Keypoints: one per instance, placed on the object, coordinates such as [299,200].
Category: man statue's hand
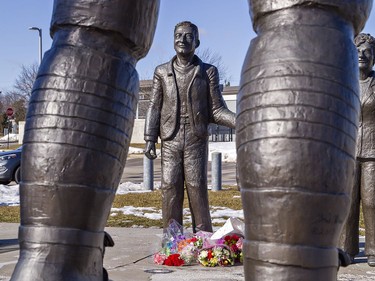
[150,150]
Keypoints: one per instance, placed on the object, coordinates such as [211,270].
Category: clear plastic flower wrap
[179,248]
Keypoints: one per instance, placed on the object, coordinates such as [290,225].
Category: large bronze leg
[77,134]
[296,131]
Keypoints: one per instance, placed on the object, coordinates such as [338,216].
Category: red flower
[174,260]
[235,237]
[234,248]
[209,254]
[231,240]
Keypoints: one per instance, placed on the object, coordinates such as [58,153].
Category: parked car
[10,162]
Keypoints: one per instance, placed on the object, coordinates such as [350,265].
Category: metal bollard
[216,171]
[148,174]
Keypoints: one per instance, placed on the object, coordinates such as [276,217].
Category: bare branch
[206,55]
[24,83]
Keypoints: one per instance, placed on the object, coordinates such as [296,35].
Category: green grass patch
[144,199]
[228,197]
[10,214]
[118,219]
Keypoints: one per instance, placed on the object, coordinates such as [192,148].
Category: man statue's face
[184,40]
[365,57]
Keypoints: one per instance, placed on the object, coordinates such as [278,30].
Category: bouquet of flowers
[217,255]
[178,249]
[189,248]
[186,249]
[234,242]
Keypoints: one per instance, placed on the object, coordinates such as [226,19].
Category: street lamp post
[40,41]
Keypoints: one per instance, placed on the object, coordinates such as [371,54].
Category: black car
[10,162]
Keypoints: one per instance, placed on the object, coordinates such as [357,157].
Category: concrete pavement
[130,259]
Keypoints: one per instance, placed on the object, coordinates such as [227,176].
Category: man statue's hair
[192,25]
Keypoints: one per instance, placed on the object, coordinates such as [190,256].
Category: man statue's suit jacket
[205,102]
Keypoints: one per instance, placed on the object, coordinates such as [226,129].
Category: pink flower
[159,258]
[239,243]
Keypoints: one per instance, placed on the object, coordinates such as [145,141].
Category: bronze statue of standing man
[364,184]
[185,99]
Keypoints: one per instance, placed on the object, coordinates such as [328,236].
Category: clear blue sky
[225,28]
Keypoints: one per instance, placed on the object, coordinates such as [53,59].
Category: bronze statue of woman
[364,182]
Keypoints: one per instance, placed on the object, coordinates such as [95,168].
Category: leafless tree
[215,59]
[18,97]
[25,81]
